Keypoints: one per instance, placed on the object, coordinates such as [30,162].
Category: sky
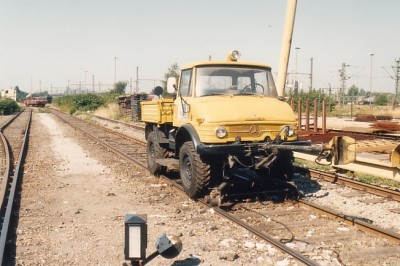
[48,44]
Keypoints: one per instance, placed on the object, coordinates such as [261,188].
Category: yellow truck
[226,125]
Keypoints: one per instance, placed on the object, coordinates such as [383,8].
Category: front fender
[186,133]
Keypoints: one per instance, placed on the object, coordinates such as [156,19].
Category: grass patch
[363,110]
[112,111]
[374,180]
[312,165]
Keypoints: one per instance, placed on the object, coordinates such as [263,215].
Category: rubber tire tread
[201,171]
[159,153]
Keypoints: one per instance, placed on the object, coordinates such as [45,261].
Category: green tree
[21,95]
[353,91]
[79,102]
[40,94]
[119,87]
[8,106]
[382,100]
[311,96]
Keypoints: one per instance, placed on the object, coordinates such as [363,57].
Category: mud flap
[344,149]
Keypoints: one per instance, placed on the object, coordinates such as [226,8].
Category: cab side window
[185,88]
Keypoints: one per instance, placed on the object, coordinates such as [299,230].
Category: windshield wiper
[251,93]
[216,93]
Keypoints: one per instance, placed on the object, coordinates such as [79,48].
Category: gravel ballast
[75,195]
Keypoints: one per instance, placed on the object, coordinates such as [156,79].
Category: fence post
[315,115]
[323,116]
[307,114]
[299,114]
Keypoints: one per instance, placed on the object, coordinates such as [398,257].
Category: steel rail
[223,213]
[137,127]
[263,236]
[334,178]
[250,228]
[370,164]
[10,121]
[332,214]
[353,221]
[337,179]
[6,174]
[105,144]
[11,196]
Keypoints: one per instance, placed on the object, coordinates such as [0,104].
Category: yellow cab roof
[225,63]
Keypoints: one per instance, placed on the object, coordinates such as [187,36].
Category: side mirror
[171,85]
[158,91]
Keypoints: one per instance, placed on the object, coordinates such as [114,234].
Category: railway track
[343,180]
[302,229]
[136,127]
[14,136]
[339,179]
[129,148]
[366,141]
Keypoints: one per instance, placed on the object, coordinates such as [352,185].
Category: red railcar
[36,101]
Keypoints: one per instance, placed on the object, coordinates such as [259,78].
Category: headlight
[221,132]
[289,131]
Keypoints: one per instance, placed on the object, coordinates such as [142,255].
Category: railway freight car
[36,101]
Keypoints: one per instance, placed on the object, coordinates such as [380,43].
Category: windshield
[224,80]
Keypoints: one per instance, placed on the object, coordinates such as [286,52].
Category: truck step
[170,163]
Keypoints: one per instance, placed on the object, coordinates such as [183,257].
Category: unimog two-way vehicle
[224,125]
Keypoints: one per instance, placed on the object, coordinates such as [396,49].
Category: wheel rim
[186,171]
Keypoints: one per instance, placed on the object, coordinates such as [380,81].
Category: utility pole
[130,85]
[311,73]
[295,73]
[397,80]
[115,70]
[343,78]
[370,80]
[84,86]
[137,79]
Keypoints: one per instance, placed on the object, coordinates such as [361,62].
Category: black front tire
[154,152]
[195,172]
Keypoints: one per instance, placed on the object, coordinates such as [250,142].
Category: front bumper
[254,148]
